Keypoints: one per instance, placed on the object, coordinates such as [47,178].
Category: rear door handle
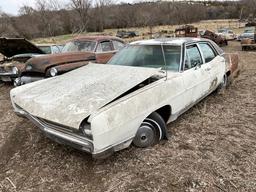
[208,69]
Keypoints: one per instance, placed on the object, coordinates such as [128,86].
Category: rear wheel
[223,84]
[150,131]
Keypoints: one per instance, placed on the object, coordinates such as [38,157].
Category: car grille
[55,126]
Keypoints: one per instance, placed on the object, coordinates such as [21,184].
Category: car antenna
[162,47]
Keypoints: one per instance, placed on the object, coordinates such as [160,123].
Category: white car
[103,108]
[227,34]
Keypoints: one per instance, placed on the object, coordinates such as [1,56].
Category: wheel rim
[145,135]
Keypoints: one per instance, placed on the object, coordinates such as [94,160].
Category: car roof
[46,45]
[170,41]
[98,38]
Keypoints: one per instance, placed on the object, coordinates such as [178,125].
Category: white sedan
[101,108]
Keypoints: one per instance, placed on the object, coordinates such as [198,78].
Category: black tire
[150,132]
[223,85]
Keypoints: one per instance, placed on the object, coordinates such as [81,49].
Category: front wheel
[150,132]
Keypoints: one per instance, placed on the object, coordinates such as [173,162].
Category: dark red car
[76,53]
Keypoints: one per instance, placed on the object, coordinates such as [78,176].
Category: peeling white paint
[71,97]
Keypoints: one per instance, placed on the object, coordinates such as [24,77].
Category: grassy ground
[209,24]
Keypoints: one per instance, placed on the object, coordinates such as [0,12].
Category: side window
[55,49]
[117,45]
[207,51]
[193,57]
[104,46]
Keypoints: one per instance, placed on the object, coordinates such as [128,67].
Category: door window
[207,51]
[193,57]
[117,45]
[104,46]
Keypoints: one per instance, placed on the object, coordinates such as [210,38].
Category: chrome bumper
[60,134]
[7,76]
[25,80]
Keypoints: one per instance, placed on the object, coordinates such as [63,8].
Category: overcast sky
[12,6]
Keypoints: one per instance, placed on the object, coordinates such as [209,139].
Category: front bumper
[60,134]
[63,135]
[8,76]
[25,80]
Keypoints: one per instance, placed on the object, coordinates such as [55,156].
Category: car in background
[127,34]
[101,109]
[227,34]
[186,31]
[218,39]
[15,51]
[76,53]
[249,33]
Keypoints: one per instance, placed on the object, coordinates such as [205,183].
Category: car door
[213,65]
[195,76]
[104,51]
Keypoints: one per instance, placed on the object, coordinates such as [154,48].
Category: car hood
[70,98]
[14,46]
[39,64]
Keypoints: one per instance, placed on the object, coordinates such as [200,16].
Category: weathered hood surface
[14,46]
[39,64]
[69,98]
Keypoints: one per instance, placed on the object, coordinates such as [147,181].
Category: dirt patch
[212,148]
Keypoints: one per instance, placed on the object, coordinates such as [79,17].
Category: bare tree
[4,18]
[82,8]
[250,6]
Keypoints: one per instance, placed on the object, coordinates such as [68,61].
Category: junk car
[186,31]
[101,109]
[228,34]
[76,53]
[16,52]
[218,39]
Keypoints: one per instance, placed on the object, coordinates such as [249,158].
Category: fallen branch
[11,182]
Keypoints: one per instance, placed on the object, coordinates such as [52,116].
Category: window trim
[209,44]
[185,49]
[102,41]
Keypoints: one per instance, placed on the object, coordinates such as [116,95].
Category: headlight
[15,70]
[53,72]
[29,67]
[86,129]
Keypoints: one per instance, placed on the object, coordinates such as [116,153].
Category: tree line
[52,17]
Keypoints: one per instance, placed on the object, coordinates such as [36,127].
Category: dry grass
[209,24]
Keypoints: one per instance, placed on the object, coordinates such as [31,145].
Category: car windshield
[222,31]
[79,46]
[46,49]
[148,56]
